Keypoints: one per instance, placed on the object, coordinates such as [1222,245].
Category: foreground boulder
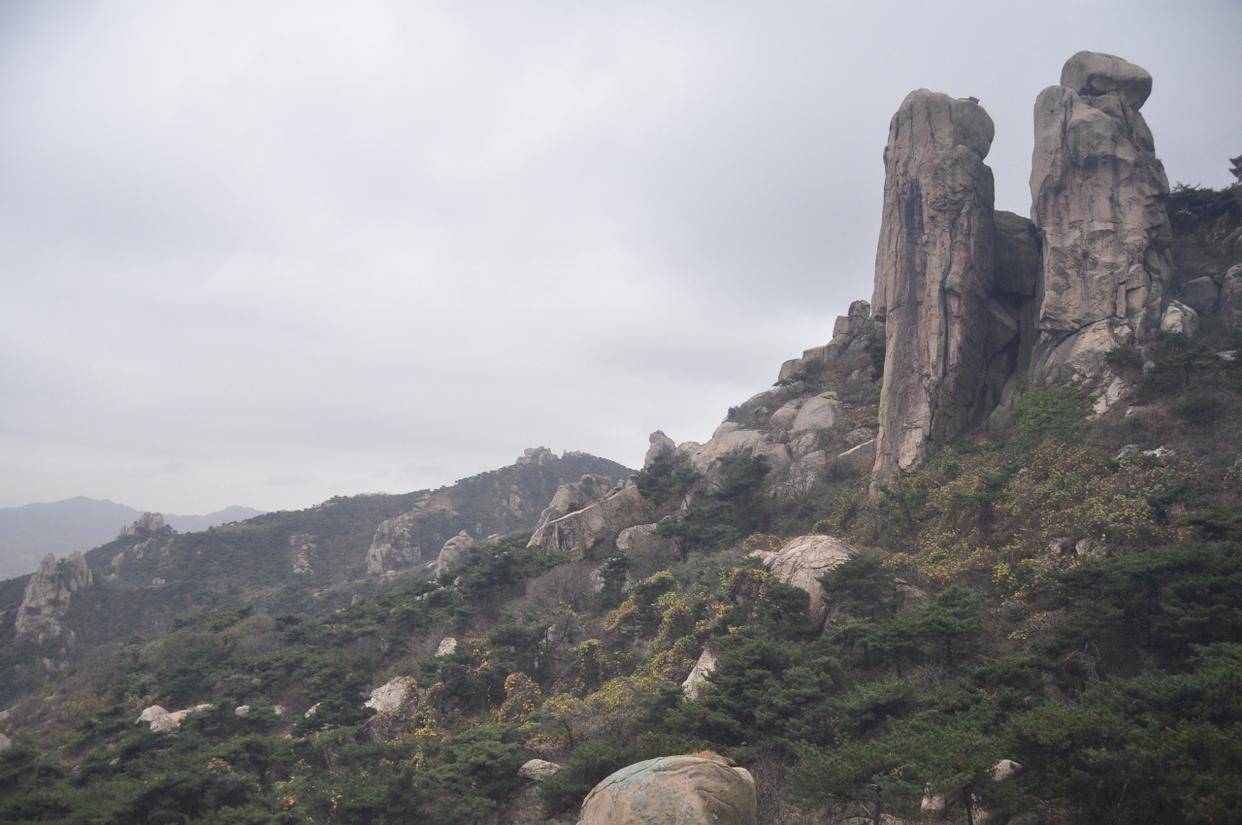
[1098,198]
[933,274]
[800,562]
[673,790]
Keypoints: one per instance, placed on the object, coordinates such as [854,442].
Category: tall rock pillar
[1098,199]
[933,274]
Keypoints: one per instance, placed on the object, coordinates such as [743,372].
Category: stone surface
[1095,74]
[1005,769]
[801,561]
[537,769]
[645,540]
[5,743]
[447,646]
[160,720]
[934,805]
[818,413]
[659,444]
[393,545]
[574,495]
[577,532]
[145,525]
[673,790]
[932,275]
[1179,319]
[390,695]
[1230,303]
[1098,195]
[697,680]
[453,553]
[45,601]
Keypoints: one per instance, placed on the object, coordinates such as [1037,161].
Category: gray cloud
[264,253]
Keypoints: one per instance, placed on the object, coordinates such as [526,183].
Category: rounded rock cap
[1095,73]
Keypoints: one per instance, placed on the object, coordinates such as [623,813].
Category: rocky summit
[972,559]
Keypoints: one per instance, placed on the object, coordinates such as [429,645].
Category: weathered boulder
[801,561]
[579,531]
[1230,306]
[390,695]
[45,602]
[393,545]
[447,646]
[537,769]
[1006,769]
[160,720]
[660,444]
[453,553]
[1098,194]
[673,790]
[933,805]
[1179,319]
[574,495]
[5,743]
[697,680]
[818,413]
[933,275]
[241,710]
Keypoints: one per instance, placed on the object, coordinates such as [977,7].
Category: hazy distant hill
[29,532]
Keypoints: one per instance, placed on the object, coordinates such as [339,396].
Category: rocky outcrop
[537,769]
[933,277]
[1179,319]
[801,561]
[148,524]
[453,553]
[856,332]
[697,680]
[393,546]
[577,532]
[160,720]
[1098,195]
[447,646]
[673,790]
[658,444]
[45,602]
[5,743]
[574,495]
[301,548]
[391,695]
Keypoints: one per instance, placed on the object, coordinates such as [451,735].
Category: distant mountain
[30,532]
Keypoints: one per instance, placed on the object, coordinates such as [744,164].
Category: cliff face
[933,275]
[1099,200]
[45,602]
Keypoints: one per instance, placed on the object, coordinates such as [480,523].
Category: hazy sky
[264,253]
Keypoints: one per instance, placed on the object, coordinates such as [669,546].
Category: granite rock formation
[1099,200]
[673,790]
[41,616]
[933,277]
[801,561]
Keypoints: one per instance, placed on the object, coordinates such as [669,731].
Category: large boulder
[574,495]
[537,769]
[453,553]
[673,790]
[577,532]
[933,276]
[801,561]
[391,695]
[41,615]
[1179,319]
[1098,193]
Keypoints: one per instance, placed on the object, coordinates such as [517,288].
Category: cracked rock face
[933,275]
[45,602]
[394,545]
[1098,199]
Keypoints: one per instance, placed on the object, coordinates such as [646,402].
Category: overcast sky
[265,253]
